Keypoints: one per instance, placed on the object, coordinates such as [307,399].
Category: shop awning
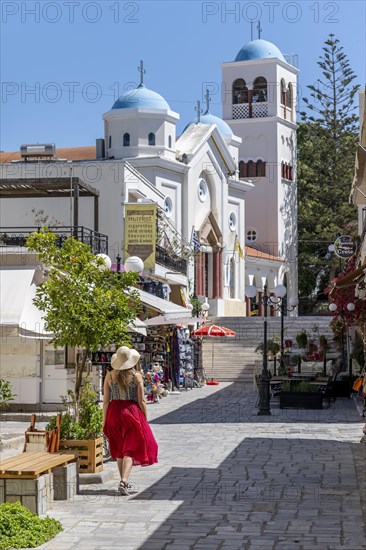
[349,280]
[171,320]
[17,310]
[138,326]
[169,309]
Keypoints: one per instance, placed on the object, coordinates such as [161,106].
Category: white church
[226,187]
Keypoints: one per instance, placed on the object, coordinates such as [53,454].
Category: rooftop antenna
[259,29]
[142,72]
[208,99]
[199,110]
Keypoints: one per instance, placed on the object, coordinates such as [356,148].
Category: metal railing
[170,261]
[17,236]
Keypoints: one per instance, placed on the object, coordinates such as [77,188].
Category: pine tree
[327,140]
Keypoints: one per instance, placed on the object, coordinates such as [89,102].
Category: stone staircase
[234,359]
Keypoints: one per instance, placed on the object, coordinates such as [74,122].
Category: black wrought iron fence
[17,236]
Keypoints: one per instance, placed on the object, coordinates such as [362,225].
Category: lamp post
[264,379]
[293,303]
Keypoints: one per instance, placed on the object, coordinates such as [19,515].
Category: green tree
[327,140]
[86,305]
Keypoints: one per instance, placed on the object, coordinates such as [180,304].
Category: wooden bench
[37,478]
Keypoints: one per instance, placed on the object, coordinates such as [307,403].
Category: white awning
[17,310]
[138,326]
[169,309]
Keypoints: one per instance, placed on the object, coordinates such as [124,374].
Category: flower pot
[301,400]
[90,453]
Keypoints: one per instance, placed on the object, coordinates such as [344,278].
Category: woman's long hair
[123,377]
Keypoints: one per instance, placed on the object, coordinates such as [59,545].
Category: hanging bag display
[357,384]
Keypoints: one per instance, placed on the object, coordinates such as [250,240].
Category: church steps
[235,358]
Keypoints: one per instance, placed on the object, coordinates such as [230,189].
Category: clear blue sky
[76,55]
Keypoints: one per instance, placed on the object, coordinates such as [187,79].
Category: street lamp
[264,379]
[134,264]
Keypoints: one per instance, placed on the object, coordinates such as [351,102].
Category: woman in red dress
[131,440]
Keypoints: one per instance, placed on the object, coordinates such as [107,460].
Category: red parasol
[214,331]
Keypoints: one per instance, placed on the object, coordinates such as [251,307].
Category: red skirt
[129,433]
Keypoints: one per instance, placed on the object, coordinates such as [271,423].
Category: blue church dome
[141,98]
[259,49]
[209,118]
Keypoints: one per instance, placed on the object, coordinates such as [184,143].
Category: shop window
[126,140]
[151,138]
[260,90]
[240,91]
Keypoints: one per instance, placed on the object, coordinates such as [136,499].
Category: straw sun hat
[124,358]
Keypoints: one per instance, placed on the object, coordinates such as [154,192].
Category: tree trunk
[80,367]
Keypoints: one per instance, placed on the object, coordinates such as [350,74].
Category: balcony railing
[170,261]
[17,236]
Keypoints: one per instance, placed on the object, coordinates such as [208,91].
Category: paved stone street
[228,479]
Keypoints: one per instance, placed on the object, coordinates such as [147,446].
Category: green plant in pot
[302,339]
[89,423]
[323,343]
[273,347]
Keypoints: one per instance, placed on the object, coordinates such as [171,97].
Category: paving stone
[228,479]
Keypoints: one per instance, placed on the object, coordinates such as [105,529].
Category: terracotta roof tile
[254,253]
[68,153]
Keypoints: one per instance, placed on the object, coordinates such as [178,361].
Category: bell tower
[259,105]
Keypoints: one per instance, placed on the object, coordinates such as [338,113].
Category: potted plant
[288,343]
[82,434]
[323,343]
[302,339]
[300,395]
[273,347]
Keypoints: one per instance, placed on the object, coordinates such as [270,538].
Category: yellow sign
[140,232]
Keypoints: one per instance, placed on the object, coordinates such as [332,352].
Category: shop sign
[344,247]
[140,233]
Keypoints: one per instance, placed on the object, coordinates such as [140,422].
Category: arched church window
[151,138]
[240,91]
[261,168]
[126,140]
[251,169]
[283,92]
[289,97]
[260,90]
[110,142]
[170,142]
[242,169]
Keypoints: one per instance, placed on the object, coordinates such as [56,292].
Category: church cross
[208,99]
[199,110]
[142,72]
[259,29]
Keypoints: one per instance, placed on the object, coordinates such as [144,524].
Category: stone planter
[90,453]
[301,400]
